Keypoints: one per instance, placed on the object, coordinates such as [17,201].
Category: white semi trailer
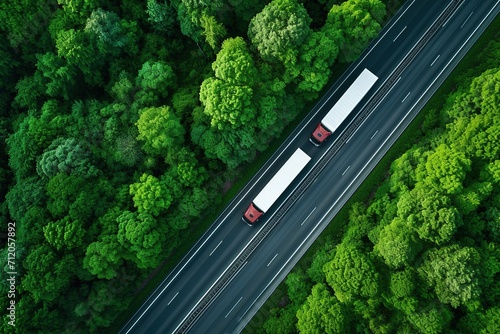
[344,106]
[276,186]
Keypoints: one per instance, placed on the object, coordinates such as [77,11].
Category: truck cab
[319,135]
[252,214]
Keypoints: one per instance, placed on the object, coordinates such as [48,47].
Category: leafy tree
[29,141]
[279,30]
[106,28]
[398,244]
[63,190]
[24,33]
[161,16]
[66,155]
[160,129]
[433,318]
[234,63]
[25,194]
[402,288]
[48,275]
[298,287]
[227,105]
[151,195]
[105,256]
[157,77]
[317,54]
[190,175]
[190,14]
[429,213]
[484,321]
[30,91]
[141,234]
[352,274]
[359,21]
[64,234]
[446,169]
[322,313]
[59,77]
[75,46]
[451,271]
[102,306]
[213,31]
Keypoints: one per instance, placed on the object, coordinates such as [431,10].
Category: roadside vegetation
[123,123]
[416,250]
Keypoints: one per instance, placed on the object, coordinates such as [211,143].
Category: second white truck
[344,106]
[276,186]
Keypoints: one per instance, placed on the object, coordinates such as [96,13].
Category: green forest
[123,122]
[422,254]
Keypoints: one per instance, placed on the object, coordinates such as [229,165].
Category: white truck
[344,106]
[276,186]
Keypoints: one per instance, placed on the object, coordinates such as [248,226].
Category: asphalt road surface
[180,292]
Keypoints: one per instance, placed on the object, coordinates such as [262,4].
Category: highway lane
[215,251]
[244,296]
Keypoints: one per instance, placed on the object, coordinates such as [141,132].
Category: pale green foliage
[160,129]
[66,155]
[64,233]
[352,274]
[397,244]
[191,175]
[429,213]
[106,28]
[321,313]
[453,273]
[151,195]
[446,169]
[227,105]
[279,30]
[234,63]
[359,22]
[213,31]
[156,76]
[141,234]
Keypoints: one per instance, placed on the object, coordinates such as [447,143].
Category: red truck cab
[252,214]
[319,135]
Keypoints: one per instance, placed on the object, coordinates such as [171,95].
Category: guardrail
[219,286]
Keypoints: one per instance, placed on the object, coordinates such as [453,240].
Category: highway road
[179,293]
